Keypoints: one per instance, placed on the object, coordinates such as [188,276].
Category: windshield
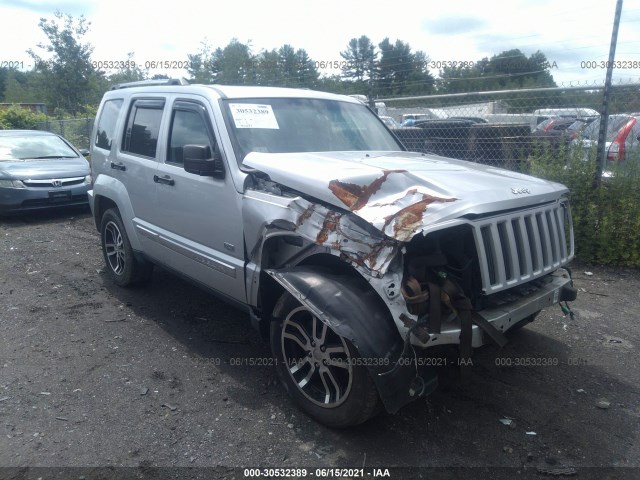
[542,126]
[577,125]
[285,125]
[21,147]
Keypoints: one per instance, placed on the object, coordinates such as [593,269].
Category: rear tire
[123,267]
[321,371]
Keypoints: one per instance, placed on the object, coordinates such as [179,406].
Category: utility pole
[372,102]
[601,156]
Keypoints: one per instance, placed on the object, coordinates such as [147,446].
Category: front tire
[321,371]
[122,266]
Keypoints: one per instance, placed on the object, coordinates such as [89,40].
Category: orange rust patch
[305,215]
[367,260]
[329,225]
[357,196]
[409,219]
[372,256]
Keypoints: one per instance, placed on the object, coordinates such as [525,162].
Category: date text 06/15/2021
[317,472]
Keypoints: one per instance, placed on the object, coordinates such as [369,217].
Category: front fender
[354,310]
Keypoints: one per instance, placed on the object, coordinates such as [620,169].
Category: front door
[198,219]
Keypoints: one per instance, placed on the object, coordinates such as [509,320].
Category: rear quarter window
[107,123]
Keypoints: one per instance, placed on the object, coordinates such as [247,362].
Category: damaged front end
[287,232]
[426,266]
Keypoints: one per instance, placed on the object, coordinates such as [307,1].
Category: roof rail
[150,83]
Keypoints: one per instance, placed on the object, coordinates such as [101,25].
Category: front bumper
[15,200]
[506,316]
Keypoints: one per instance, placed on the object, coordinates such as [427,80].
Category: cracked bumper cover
[558,288]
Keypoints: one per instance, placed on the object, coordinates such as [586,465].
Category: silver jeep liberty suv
[352,255]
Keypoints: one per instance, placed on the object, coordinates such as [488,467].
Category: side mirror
[84,152]
[199,160]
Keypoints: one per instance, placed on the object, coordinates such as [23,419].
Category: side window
[143,127]
[188,127]
[107,123]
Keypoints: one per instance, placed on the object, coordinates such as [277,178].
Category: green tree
[336,84]
[268,68]
[513,69]
[19,118]
[4,73]
[69,79]
[360,59]
[199,64]
[510,69]
[288,65]
[296,67]
[236,64]
[420,80]
[233,65]
[19,87]
[401,71]
[307,71]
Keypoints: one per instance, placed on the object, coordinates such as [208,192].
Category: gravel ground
[98,377]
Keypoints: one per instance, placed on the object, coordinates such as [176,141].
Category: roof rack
[150,83]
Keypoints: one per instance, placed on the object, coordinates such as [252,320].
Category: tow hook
[568,293]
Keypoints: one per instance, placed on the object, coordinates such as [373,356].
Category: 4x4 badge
[518,191]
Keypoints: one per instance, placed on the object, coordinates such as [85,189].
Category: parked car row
[557,131]
[474,139]
[622,137]
[468,138]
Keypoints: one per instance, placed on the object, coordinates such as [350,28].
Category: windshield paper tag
[251,115]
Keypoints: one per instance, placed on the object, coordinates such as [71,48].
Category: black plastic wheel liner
[354,311]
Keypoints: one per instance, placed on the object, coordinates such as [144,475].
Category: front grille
[518,247]
[54,182]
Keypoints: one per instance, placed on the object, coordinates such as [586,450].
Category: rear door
[137,158]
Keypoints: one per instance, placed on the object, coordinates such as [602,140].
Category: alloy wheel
[114,247]
[317,359]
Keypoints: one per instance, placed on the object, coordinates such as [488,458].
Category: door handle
[165,179]
[118,166]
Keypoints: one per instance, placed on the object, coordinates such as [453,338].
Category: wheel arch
[102,204]
[352,308]
[111,193]
[270,290]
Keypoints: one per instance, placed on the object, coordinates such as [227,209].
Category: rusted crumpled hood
[403,193]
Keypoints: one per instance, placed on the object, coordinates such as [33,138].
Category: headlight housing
[6,183]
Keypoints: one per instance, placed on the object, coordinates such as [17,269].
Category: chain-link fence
[76,130]
[501,128]
[504,128]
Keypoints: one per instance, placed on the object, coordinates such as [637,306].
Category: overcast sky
[569,33]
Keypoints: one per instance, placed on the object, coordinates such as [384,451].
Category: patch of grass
[606,219]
